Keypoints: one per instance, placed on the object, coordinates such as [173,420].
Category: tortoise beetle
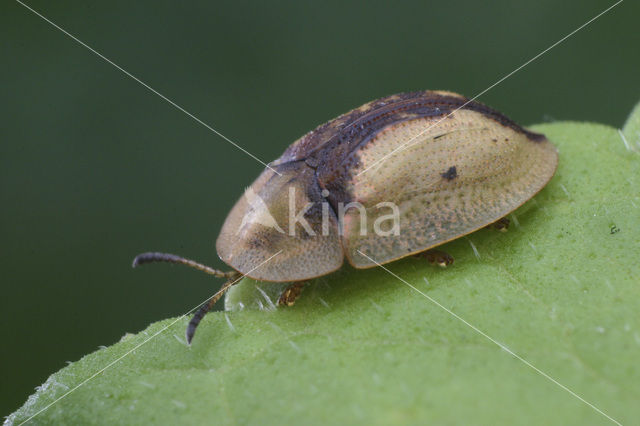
[433,166]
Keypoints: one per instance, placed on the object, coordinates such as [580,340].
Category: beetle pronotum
[448,167]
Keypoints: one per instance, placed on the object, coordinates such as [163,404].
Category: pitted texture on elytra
[497,170]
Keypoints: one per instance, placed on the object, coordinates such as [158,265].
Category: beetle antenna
[206,307]
[151,257]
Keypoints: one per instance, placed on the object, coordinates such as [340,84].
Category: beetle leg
[436,257]
[206,307]
[500,225]
[291,293]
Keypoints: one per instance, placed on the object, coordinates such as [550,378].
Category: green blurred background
[95,168]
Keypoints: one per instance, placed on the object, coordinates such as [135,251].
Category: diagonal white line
[503,347]
[97,373]
[408,143]
[626,143]
[128,74]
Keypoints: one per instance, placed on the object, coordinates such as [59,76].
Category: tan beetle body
[450,166]
[444,165]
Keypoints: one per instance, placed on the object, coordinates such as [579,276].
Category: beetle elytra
[443,165]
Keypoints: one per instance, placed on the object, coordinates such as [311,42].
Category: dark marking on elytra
[435,138]
[332,147]
[450,174]
[355,128]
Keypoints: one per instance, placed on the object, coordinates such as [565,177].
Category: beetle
[444,165]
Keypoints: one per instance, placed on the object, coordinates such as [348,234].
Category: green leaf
[559,289]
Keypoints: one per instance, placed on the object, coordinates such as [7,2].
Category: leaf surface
[560,289]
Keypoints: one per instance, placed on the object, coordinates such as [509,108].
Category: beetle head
[282,215]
